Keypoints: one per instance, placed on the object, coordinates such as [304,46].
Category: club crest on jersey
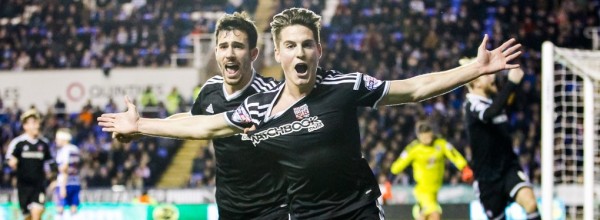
[40,147]
[302,112]
[240,115]
[371,83]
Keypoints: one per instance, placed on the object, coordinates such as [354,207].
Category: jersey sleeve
[47,154]
[369,90]
[62,157]
[500,101]
[16,152]
[11,149]
[406,157]
[487,112]
[240,117]
[209,86]
[453,155]
[196,107]
[476,110]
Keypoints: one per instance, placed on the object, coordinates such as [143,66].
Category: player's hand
[250,129]
[126,138]
[123,123]
[499,58]
[515,75]
[467,175]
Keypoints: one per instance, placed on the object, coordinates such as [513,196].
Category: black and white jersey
[318,142]
[490,139]
[31,154]
[249,181]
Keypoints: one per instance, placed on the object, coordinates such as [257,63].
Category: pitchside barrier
[458,202]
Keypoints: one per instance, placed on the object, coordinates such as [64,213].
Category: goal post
[547,134]
[570,129]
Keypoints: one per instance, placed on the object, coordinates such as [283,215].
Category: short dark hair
[423,127]
[293,16]
[238,21]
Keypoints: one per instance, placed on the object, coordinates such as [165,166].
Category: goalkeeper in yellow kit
[426,154]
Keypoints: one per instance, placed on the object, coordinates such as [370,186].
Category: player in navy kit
[27,155]
[310,120]
[249,182]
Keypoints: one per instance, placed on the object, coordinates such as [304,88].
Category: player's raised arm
[128,138]
[405,159]
[193,127]
[426,86]
[180,115]
[500,100]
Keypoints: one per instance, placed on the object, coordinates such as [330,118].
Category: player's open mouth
[301,67]
[232,68]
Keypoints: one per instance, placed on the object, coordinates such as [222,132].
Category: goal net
[571,131]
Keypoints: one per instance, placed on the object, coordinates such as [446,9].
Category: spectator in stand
[145,198]
[174,101]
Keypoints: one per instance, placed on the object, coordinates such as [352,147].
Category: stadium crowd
[100,34]
[400,39]
[387,39]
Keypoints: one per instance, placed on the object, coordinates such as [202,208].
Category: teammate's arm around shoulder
[193,127]
[426,86]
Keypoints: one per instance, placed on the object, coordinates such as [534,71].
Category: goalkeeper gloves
[467,174]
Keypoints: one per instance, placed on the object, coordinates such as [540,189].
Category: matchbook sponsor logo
[311,124]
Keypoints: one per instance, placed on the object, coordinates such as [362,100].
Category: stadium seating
[400,39]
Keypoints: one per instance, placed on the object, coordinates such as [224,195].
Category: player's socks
[416,211]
